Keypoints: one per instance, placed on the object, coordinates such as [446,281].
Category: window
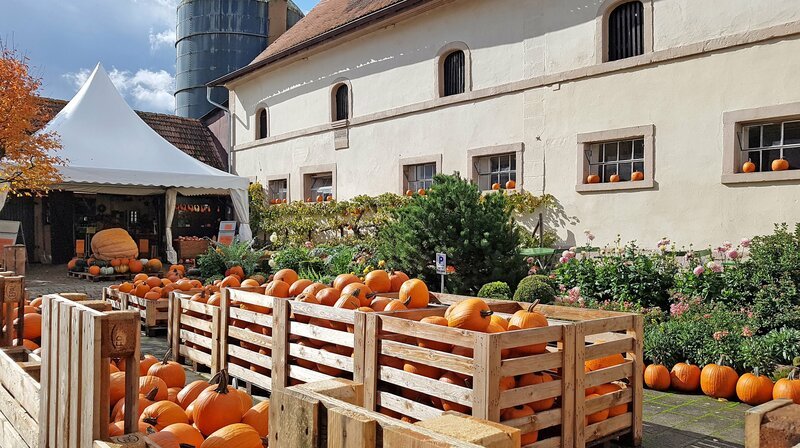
[619,159]
[616,161]
[419,176]
[626,31]
[342,100]
[496,169]
[454,73]
[278,191]
[320,187]
[764,143]
[262,130]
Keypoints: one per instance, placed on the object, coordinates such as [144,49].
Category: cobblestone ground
[670,420]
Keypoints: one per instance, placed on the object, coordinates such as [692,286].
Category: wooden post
[371,354]
[174,326]
[225,321]
[568,389]
[121,339]
[14,258]
[637,379]
[486,381]
[350,429]
[293,420]
[579,398]
[280,348]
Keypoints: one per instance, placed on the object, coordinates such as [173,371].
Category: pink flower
[563,260]
[716,267]
[719,335]
[699,270]
[733,254]
[706,316]
[747,332]
[309,245]
[530,260]
[676,309]
[745,242]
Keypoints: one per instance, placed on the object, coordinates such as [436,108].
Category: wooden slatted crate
[118,300]
[391,341]
[154,314]
[296,343]
[193,331]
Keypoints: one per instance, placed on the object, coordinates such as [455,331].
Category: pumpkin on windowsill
[637,175]
[748,167]
[614,178]
[780,164]
[593,179]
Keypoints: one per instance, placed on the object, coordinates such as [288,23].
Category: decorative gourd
[685,377]
[718,381]
[378,281]
[217,406]
[397,278]
[258,418]
[657,377]
[471,314]
[780,164]
[434,345]
[185,433]
[788,388]
[237,435]
[170,371]
[113,243]
[520,412]
[161,414]
[754,389]
[748,167]
[414,294]
[525,319]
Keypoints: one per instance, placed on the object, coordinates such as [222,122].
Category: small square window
[616,160]
[319,187]
[278,191]
[496,169]
[764,143]
[419,176]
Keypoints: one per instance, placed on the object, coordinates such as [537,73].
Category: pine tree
[477,232]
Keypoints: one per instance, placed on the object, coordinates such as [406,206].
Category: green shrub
[534,287]
[495,290]
[221,257]
[477,232]
[296,258]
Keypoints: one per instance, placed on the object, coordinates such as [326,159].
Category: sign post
[441,267]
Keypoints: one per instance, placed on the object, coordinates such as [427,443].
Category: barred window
[320,185]
[278,191]
[496,169]
[626,31]
[454,73]
[616,161]
[342,103]
[419,176]
[764,143]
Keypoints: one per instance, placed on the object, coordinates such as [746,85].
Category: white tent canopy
[109,149]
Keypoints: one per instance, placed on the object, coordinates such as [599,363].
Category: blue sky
[133,39]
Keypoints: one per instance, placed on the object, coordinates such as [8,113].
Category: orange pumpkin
[33,325]
[277,288]
[328,296]
[94,270]
[396,279]
[754,389]
[788,388]
[126,287]
[379,303]
[434,345]
[470,314]
[298,287]
[170,371]
[230,281]
[118,413]
[237,435]
[496,186]
[511,185]
[378,281]
[593,179]
[287,276]
[217,406]
[161,414]
[360,291]
[116,389]
[348,302]
[499,321]
[685,377]
[605,362]
[414,294]
[149,382]
[116,429]
[530,379]
[250,283]
[610,388]
[185,433]
[314,288]
[780,164]
[343,280]
[145,363]
[598,416]
[614,178]
[748,167]
[421,369]
[395,305]
[522,411]
[258,418]
[657,377]
[526,319]
[153,282]
[718,381]
[637,175]
[452,378]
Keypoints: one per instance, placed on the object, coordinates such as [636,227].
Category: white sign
[441,263]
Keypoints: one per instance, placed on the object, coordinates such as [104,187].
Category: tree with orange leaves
[28,160]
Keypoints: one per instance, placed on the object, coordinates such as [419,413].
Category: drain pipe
[230,126]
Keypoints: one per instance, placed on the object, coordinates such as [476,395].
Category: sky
[133,39]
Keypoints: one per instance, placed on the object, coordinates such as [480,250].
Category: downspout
[230,127]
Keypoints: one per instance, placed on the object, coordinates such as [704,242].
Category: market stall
[121,173]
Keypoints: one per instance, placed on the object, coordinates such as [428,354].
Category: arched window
[262,129]
[454,73]
[626,31]
[342,103]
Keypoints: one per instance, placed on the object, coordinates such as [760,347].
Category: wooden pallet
[98,278]
[118,300]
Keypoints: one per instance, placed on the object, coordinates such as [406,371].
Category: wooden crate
[772,424]
[392,336]
[275,355]
[329,414]
[19,397]
[193,331]
[154,314]
[118,300]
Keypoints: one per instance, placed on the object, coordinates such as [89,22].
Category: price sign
[441,263]
[227,231]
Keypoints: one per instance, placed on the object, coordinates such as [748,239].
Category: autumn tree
[28,160]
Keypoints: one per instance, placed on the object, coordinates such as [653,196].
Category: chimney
[277,19]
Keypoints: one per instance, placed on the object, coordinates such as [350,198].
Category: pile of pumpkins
[31,321]
[96,266]
[154,288]
[718,380]
[201,414]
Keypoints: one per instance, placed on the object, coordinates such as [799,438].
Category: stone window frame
[439,67]
[307,172]
[733,121]
[517,148]
[286,177]
[601,29]
[334,87]
[418,160]
[585,140]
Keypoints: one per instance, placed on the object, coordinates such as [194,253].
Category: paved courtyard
[670,420]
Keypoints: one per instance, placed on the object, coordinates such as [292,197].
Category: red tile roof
[329,19]
[187,134]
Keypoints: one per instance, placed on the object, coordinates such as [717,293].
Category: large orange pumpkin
[287,276]
[754,389]
[185,433]
[258,418]
[299,286]
[378,281]
[657,377]
[149,382]
[718,381]
[32,325]
[360,291]
[113,243]
[170,371]
[161,414]
[217,406]
[230,281]
[277,288]
[788,388]
[470,314]
[348,302]
[520,412]
[314,288]
[685,377]
[328,296]
[414,294]
[343,280]
[237,435]
[526,319]
[397,278]
[530,379]
[434,345]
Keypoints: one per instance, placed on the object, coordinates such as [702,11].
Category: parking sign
[441,263]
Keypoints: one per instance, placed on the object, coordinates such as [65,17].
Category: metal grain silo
[216,37]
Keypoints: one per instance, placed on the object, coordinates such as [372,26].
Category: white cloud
[144,90]
[165,38]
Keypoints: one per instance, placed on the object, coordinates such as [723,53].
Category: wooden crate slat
[518,338]
[552,442]
[252,337]
[601,349]
[306,375]
[454,363]
[609,426]
[530,364]
[19,418]
[436,388]
[196,323]
[20,385]
[322,312]
[609,400]
[265,320]
[195,338]
[196,355]
[453,336]
[255,378]
[536,422]
[250,356]
[607,375]
[407,407]
[528,394]
[321,357]
[321,334]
